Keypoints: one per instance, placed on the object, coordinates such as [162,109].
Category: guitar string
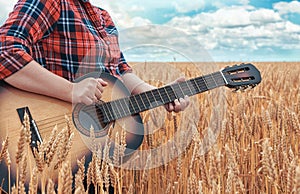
[62,115]
[60,119]
[164,96]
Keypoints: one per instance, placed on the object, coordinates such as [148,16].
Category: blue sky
[233,30]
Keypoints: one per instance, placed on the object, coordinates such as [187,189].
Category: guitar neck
[154,98]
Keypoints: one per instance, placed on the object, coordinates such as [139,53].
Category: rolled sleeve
[13,56]
[28,23]
[123,65]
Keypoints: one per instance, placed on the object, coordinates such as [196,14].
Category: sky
[200,30]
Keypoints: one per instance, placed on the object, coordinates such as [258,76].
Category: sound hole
[86,117]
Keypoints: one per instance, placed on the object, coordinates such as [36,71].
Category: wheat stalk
[297,180]
[50,187]
[290,176]
[33,181]
[14,190]
[80,175]
[65,179]
[117,178]
[4,154]
[51,146]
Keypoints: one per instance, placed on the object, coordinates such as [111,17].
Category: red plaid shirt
[67,37]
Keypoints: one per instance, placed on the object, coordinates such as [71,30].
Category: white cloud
[121,13]
[135,21]
[226,17]
[7,5]
[221,4]
[287,7]
[262,16]
[180,6]
[163,40]
[241,27]
[6,8]
[233,27]
[183,6]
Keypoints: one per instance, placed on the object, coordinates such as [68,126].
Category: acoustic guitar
[117,111]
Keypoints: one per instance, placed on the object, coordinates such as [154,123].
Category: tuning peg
[253,86]
[236,89]
[244,88]
[241,88]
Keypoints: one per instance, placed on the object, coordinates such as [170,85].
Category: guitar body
[48,112]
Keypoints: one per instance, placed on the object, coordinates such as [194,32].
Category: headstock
[241,76]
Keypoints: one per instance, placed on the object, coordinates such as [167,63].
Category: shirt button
[107,42]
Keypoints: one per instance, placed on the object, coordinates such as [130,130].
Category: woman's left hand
[178,104]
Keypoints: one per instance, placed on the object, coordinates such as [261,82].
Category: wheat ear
[4,154]
[50,187]
[65,179]
[80,175]
[33,182]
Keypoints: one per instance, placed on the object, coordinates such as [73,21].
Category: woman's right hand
[88,90]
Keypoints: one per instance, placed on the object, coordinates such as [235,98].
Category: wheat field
[225,142]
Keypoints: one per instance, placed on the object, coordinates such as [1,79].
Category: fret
[167,95]
[201,83]
[135,104]
[140,102]
[115,109]
[171,93]
[197,88]
[145,100]
[211,75]
[178,91]
[149,99]
[182,90]
[131,105]
[160,91]
[152,99]
[210,82]
[187,89]
[220,80]
[122,112]
[126,103]
[108,111]
[164,95]
[157,97]
[191,87]
[205,82]
[174,91]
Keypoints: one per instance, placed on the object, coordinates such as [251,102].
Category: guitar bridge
[35,134]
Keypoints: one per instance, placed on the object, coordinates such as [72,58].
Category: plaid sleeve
[111,28]
[29,22]
[123,66]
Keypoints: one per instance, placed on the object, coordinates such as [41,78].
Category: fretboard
[134,104]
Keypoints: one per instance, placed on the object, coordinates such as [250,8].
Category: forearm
[34,78]
[135,85]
